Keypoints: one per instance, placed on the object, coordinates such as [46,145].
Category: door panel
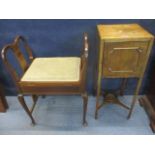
[124,59]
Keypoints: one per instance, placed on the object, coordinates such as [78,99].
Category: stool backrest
[16,50]
[84,60]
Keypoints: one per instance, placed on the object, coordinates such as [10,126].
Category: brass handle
[127,48]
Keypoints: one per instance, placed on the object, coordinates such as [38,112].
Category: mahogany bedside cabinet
[123,53]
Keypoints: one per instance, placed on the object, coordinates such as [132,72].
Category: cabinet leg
[99,78]
[135,97]
[97,105]
[132,106]
[98,96]
[123,86]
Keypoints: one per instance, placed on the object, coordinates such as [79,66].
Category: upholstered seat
[55,69]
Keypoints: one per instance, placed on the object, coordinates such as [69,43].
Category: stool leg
[85,102]
[22,102]
[34,98]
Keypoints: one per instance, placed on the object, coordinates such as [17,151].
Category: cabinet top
[123,31]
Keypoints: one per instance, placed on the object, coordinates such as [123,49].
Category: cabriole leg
[22,102]
[85,102]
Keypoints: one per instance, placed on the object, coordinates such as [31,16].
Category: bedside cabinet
[3,103]
[123,53]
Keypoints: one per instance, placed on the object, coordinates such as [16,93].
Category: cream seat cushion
[57,69]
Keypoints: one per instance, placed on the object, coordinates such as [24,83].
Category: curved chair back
[15,49]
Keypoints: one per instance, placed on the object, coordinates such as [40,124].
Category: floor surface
[63,115]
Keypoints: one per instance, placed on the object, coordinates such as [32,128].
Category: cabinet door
[124,59]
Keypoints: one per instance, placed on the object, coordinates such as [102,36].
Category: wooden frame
[44,88]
